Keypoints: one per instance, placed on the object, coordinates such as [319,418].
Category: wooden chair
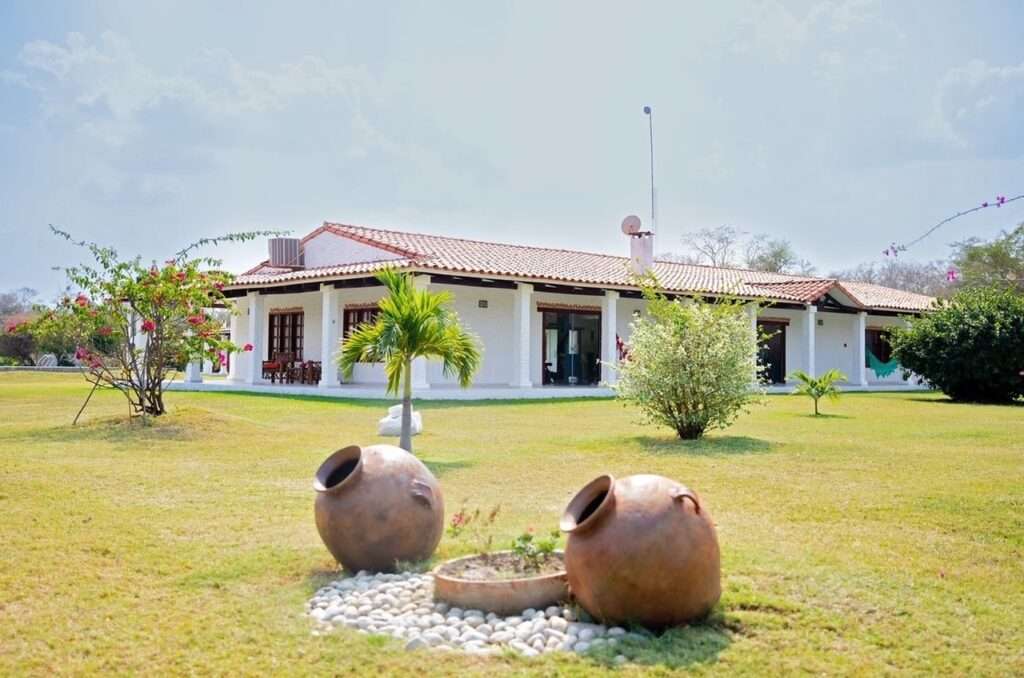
[282,366]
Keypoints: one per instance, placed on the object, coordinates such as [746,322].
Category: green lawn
[886,537]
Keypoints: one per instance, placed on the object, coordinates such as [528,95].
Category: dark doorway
[571,348]
[772,351]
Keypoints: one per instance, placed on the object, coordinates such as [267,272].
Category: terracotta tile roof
[422,252]
[869,295]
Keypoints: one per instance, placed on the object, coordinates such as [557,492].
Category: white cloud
[978,107]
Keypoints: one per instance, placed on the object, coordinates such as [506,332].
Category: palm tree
[412,323]
[820,387]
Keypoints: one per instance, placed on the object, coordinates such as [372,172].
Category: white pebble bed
[403,606]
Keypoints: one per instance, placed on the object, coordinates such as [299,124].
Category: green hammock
[881,369]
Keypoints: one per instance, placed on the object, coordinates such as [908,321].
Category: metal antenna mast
[650,128]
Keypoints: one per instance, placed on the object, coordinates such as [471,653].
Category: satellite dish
[631,225]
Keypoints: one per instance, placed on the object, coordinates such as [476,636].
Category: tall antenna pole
[650,128]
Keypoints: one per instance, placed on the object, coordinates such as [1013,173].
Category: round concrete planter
[501,596]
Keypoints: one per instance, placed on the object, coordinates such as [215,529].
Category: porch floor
[447,392]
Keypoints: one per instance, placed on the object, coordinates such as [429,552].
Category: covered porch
[539,340]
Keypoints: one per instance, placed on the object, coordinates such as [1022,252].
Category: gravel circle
[402,606]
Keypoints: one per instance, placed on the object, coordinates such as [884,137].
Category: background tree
[722,246]
[999,262]
[774,255]
[132,324]
[16,301]
[971,347]
[713,246]
[929,277]
[691,365]
[412,323]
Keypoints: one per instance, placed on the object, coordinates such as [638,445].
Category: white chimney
[641,245]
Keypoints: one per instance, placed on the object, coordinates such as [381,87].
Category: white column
[329,335]
[235,359]
[860,375]
[419,365]
[194,372]
[752,317]
[810,325]
[521,314]
[609,332]
[256,324]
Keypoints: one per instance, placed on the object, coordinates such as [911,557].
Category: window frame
[286,333]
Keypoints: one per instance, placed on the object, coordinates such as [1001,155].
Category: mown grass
[887,538]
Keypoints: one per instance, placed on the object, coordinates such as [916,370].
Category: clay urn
[376,506]
[641,549]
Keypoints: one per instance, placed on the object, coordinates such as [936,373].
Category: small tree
[691,365]
[132,324]
[971,347]
[818,387]
[412,323]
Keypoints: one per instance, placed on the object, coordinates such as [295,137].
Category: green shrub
[690,365]
[971,347]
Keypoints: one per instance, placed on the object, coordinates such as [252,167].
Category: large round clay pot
[376,506]
[643,550]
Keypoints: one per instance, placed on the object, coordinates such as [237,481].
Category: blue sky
[840,126]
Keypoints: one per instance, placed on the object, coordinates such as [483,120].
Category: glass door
[572,348]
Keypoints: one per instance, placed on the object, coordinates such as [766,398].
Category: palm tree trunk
[815,407]
[405,442]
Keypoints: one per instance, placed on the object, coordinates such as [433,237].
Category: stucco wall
[328,249]
[493,325]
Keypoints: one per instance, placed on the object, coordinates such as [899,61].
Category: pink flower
[82,300]
[148,325]
[181,275]
[952,275]
[247,348]
[81,353]
[219,285]
[197,319]
[105,331]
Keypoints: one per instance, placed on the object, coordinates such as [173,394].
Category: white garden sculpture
[391,425]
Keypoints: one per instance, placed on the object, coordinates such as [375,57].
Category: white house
[548,319]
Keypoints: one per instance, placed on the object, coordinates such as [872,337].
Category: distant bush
[971,347]
[690,365]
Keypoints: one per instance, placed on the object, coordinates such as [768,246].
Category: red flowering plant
[134,325]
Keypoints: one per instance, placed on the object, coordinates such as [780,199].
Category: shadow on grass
[717,445]
[822,415]
[675,648]
[120,429]
[946,400]
[439,468]
[419,403]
